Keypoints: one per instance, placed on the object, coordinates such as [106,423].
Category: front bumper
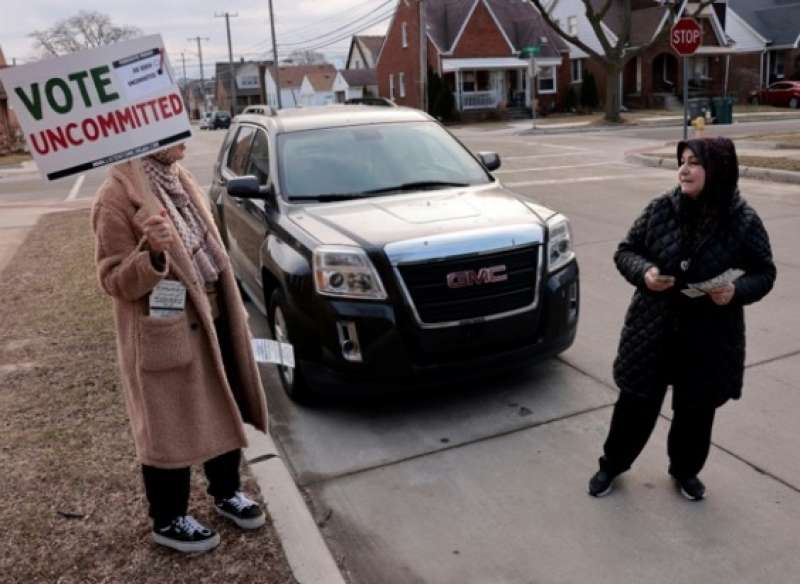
[395,351]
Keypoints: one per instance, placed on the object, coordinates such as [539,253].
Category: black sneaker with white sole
[601,484]
[186,535]
[242,511]
[692,488]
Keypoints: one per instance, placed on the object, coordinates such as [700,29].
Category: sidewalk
[757,159]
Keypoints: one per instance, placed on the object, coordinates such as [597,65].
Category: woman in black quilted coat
[696,344]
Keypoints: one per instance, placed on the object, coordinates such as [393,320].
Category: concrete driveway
[486,483]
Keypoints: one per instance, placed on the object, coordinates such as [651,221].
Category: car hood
[375,222]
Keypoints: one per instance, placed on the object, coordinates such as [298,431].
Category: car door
[250,215]
[234,165]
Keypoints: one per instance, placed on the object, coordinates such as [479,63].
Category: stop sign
[686,36]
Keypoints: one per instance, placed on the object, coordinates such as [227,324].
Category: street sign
[686,36]
[531,51]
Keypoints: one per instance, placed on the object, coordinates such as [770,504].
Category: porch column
[459,97]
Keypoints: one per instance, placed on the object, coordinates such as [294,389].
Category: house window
[402,82]
[391,86]
[572,25]
[778,67]
[472,81]
[698,68]
[546,80]
[404,31]
[576,68]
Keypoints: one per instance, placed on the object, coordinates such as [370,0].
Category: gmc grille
[436,302]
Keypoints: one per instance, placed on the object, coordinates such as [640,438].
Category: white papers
[701,288]
[143,74]
[167,299]
[269,351]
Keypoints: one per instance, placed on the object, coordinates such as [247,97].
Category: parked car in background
[219,119]
[369,100]
[386,253]
[205,120]
[257,109]
[781,94]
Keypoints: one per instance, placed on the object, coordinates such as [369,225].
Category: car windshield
[363,161]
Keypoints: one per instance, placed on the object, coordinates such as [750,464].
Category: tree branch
[567,37]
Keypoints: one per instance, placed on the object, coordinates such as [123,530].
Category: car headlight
[559,243]
[346,272]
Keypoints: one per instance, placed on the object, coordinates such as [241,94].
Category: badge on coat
[167,299]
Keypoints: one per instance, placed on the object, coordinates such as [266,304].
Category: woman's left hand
[723,295]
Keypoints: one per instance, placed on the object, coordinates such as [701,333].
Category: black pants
[167,489]
[633,421]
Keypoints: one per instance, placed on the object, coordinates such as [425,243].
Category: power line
[366,26]
[345,26]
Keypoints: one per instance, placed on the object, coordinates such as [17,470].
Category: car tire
[794,103]
[291,378]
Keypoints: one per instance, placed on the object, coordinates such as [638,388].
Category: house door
[665,73]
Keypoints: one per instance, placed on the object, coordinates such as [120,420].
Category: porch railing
[479,100]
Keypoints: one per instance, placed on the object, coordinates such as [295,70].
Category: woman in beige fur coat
[187,368]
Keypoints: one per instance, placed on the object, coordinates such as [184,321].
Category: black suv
[219,120]
[385,251]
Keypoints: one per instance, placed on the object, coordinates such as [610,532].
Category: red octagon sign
[686,36]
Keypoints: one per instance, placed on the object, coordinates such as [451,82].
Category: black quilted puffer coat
[669,338]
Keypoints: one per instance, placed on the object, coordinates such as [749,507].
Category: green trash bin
[722,110]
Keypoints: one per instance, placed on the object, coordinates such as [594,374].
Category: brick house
[734,59]
[474,45]
[774,26]
[250,87]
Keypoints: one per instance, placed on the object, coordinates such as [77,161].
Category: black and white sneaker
[242,511]
[186,535]
[692,488]
[601,483]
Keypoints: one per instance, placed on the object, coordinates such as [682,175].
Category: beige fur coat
[182,408]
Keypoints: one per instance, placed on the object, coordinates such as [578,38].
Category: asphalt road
[485,483]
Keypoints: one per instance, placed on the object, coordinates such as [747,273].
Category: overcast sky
[299,24]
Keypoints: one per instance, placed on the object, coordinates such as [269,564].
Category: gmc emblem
[467,278]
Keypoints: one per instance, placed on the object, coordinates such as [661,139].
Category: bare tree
[305,57]
[615,55]
[85,30]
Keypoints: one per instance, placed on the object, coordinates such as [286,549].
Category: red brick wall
[481,37]
[793,64]
[745,75]
[395,59]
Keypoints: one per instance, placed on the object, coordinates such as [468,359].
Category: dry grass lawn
[773,162]
[14,159]
[71,499]
[791,139]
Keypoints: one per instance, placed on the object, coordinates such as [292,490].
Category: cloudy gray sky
[300,24]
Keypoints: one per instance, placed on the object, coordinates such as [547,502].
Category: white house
[355,83]
[301,85]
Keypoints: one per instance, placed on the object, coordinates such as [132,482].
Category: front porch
[498,84]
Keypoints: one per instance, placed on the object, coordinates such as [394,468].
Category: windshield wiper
[326,197]
[412,186]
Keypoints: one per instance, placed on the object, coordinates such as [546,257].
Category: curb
[309,557]
[768,174]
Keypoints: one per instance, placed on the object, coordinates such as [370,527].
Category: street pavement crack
[772,359]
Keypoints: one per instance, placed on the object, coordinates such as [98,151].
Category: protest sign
[97,107]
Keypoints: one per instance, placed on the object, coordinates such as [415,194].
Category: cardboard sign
[97,107]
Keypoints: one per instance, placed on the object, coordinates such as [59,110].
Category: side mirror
[247,187]
[491,160]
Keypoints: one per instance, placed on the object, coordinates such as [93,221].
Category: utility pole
[227,16]
[202,76]
[185,83]
[275,55]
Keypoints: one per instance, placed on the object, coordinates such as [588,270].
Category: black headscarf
[699,215]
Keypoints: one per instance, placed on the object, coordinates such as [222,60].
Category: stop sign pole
[685,37]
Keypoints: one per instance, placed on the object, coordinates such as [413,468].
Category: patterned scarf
[207,256]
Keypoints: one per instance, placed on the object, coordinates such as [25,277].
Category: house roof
[777,21]
[359,77]
[320,76]
[223,75]
[518,19]
[372,42]
[2,64]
